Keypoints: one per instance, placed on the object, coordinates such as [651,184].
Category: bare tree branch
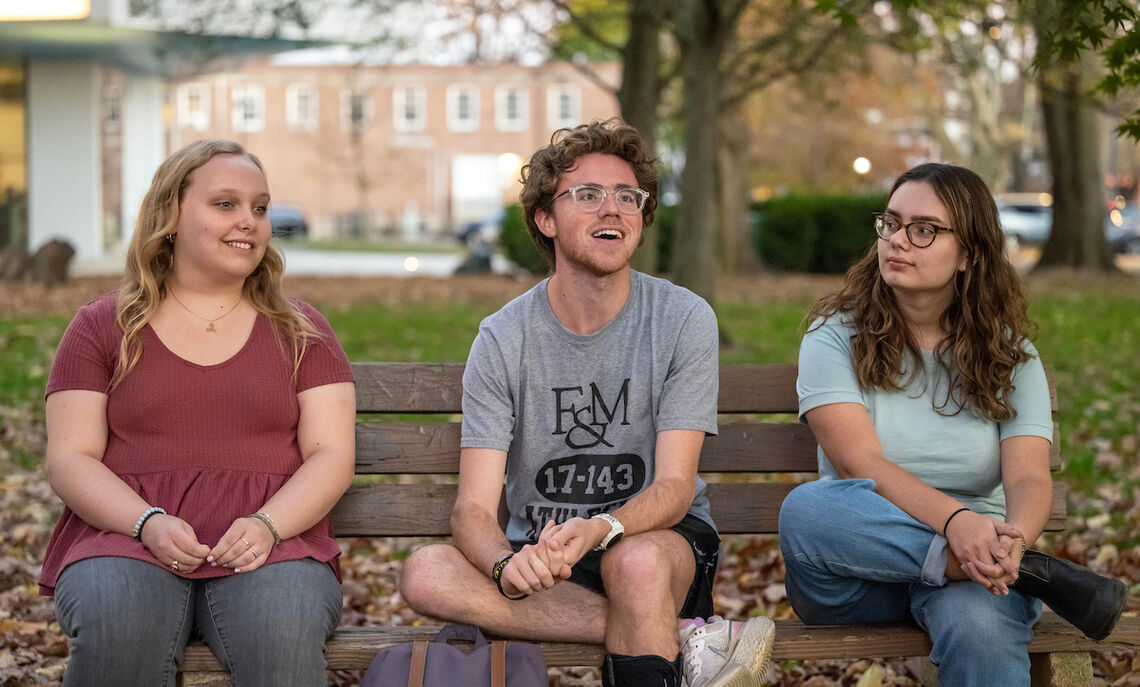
[582,68]
[587,30]
[759,77]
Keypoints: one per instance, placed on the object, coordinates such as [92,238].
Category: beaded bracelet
[497,576]
[268,523]
[137,531]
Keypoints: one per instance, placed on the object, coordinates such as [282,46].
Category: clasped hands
[988,550]
[539,566]
[244,546]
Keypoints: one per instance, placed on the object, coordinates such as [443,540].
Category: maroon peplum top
[208,443]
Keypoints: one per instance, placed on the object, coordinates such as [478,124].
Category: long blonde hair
[986,320]
[150,261]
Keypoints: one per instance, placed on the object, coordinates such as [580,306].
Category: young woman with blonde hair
[200,428]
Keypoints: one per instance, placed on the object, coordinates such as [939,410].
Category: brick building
[390,151]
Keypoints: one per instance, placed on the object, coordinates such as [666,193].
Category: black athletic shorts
[705,544]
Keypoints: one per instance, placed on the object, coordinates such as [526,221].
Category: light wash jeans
[129,621]
[854,557]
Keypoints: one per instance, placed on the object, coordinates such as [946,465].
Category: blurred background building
[407,152]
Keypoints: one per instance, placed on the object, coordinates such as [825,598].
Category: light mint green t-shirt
[960,455]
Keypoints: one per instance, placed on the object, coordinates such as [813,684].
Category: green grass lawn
[1089,335]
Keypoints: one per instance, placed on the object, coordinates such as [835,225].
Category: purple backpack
[437,664]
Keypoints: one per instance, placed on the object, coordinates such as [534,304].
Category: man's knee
[645,562]
[427,572]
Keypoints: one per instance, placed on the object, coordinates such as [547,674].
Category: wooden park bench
[762,460]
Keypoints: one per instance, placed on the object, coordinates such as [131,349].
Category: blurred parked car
[482,230]
[1026,218]
[1122,229]
[287,220]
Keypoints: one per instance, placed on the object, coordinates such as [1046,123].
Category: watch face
[616,539]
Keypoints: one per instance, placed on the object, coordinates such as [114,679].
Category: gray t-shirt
[579,415]
[960,455]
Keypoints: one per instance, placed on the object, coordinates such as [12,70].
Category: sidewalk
[309,262]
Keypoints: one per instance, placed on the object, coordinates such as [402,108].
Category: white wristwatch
[617,530]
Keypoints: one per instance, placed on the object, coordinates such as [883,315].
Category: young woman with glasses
[932,413]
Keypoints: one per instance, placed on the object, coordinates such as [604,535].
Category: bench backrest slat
[433,448]
[415,510]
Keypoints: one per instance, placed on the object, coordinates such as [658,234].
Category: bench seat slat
[424,510]
[353,648]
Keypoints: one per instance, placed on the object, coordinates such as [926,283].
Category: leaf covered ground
[1104,531]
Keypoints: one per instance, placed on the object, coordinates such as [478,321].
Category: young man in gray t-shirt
[592,393]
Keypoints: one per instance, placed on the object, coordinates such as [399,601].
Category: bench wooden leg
[1061,669]
[1045,670]
[204,680]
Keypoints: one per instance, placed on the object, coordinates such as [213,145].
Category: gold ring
[246,543]
[256,554]
[174,564]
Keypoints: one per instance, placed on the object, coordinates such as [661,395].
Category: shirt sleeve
[85,359]
[689,395]
[1030,400]
[826,369]
[324,361]
[488,404]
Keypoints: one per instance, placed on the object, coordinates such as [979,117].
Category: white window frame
[346,97]
[554,115]
[295,118]
[248,107]
[197,119]
[454,93]
[409,100]
[503,122]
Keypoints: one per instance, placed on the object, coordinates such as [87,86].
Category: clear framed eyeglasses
[590,197]
[920,234]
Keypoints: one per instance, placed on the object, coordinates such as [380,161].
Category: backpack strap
[498,664]
[419,661]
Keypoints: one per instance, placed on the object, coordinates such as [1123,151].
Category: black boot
[1091,602]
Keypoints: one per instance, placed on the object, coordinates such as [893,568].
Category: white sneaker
[722,653]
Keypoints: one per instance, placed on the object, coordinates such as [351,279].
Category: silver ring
[256,554]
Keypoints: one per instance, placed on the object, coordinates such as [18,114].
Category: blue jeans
[129,621]
[854,557]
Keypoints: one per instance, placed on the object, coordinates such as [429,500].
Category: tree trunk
[737,253]
[639,96]
[698,219]
[1072,138]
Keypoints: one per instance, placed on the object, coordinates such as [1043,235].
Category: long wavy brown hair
[150,261]
[541,175]
[986,319]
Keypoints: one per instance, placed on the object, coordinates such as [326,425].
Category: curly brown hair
[986,319]
[542,174]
